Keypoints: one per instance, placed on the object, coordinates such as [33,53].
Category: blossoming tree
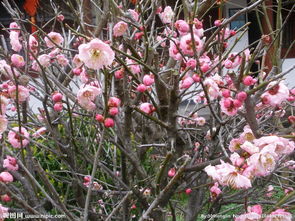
[138,111]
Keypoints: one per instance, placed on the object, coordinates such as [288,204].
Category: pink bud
[113,111]
[87,179]
[205,67]
[5,198]
[133,206]
[226,93]
[241,96]
[141,88]
[58,106]
[196,78]
[188,191]
[217,23]
[99,118]
[159,10]
[148,80]
[57,97]
[109,122]
[233,32]
[119,74]
[228,64]
[114,102]
[237,103]
[13,108]
[292,91]
[191,63]
[198,24]
[172,172]
[60,18]
[138,35]
[227,103]
[186,83]
[248,81]
[77,71]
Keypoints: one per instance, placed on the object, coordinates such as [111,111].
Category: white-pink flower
[53,39]
[10,163]
[14,41]
[21,93]
[17,60]
[120,28]
[96,54]
[3,213]
[86,96]
[276,93]
[263,163]
[167,15]
[186,44]
[174,50]
[6,177]
[16,139]
[147,108]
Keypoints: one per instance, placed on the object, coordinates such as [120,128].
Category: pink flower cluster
[256,157]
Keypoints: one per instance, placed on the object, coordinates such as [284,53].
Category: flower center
[95,53]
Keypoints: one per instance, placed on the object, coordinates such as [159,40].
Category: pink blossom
[57,97]
[234,145]
[232,61]
[279,214]
[22,92]
[141,88]
[236,159]
[182,26]
[248,81]
[167,15]
[172,172]
[5,198]
[196,78]
[215,191]
[5,69]
[3,212]
[186,44]
[200,121]
[186,83]
[148,79]
[191,63]
[109,122]
[212,88]
[96,54]
[10,163]
[205,67]
[99,118]
[228,107]
[120,28]
[226,93]
[58,106]
[44,61]
[60,17]
[114,102]
[188,191]
[242,96]
[119,74]
[279,144]
[276,93]
[134,67]
[33,44]
[113,111]
[53,39]
[6,177]
[147,108]
[250,148]
[77,61]
[217,23]
[3,123]
[263,163]
[134,14]
[17,60]
[62,60]
[198,24]
[16,140]
[174,50]
[14,41]
[86,95]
